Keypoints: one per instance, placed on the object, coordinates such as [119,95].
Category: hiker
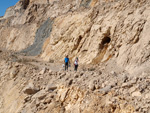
[66,60]
[76,64]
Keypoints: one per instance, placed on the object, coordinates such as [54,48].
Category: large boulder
[30,89]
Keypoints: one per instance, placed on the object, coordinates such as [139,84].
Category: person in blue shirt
[66,60]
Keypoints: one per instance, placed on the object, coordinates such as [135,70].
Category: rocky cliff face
[95,31]
[109,34]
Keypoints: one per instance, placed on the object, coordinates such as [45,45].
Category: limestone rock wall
[95,31]
[115,30]
[16,38]
[111,33]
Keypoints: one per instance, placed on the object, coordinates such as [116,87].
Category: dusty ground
[30,85]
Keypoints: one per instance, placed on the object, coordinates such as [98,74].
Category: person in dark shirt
[66,60]
[76,64]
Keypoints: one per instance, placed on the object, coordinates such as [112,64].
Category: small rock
[51,61]
[125,91]
[113,73]
[40,95]
[28,98]
[48,100]
[13,72]
[63,94]
[123,78]
[147,96]
[50,71]
[105,83]
[42,71]
[76,76]
[97,86]
[105,89]
[81,73]
[128,84]
[30,89]
[41,106]
[136,94]
[91,69]
[99,72]
[63,74]
[51,87]
[133,81]
[92,87]
[17,65]
[112,83]
[132,89]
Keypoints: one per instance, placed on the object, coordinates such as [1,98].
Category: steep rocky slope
[28,87]
[110,35]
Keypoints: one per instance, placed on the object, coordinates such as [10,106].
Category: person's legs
[76,66]
[66,66]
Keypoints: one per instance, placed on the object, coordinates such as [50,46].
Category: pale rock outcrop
[98,35]
[18,8]
[9,12]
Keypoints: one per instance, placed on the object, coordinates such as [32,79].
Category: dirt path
[32,60]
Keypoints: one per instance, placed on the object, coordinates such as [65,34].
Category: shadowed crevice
[106,40]
[26,3]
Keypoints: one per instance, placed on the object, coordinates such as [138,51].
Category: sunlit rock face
[95,31]
[110,38]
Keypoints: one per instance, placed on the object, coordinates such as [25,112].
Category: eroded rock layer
[95,31]
[110,35]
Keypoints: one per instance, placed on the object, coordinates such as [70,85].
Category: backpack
[76,62]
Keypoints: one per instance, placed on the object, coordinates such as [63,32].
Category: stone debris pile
[46,90]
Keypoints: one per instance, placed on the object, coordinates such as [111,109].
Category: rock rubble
[46,90]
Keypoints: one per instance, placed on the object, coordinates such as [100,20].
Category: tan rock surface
[112,36]
[97,34]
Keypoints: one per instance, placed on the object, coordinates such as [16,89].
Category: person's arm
[69,61]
